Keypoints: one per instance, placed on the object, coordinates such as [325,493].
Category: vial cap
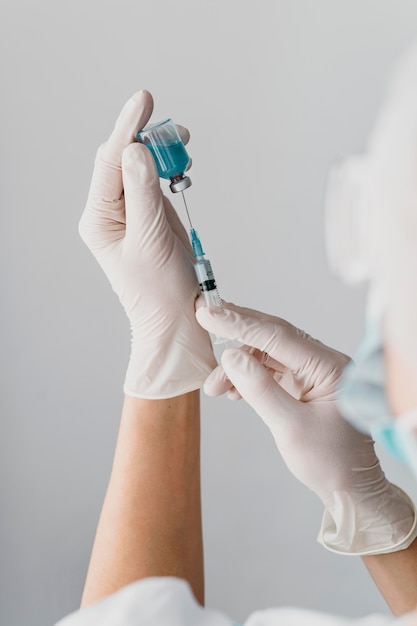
[179,185]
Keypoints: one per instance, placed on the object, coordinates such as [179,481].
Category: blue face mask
[363,401]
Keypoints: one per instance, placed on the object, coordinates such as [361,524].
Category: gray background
[272,91]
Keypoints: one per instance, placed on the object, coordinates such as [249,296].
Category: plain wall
[272,92]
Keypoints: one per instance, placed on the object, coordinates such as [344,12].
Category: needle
[186,208]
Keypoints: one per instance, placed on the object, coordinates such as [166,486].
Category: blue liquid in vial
[171,159]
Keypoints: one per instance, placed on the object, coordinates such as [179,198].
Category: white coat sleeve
[290,616]
[156,601]
[169,601]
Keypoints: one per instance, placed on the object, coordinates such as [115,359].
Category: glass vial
[168,151]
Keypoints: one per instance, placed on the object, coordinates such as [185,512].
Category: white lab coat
[168,601]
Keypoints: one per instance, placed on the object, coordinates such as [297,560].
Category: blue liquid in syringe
[170,160]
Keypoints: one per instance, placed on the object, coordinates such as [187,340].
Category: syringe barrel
[208,287]
[205,277]
[212,298]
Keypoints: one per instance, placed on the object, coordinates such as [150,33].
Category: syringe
[204,272]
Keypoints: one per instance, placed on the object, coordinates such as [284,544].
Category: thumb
[103,219]
[259,388]
[106,183]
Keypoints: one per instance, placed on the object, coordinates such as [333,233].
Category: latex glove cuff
[179,363]
[353,525]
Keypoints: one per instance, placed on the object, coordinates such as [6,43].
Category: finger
[256,385]
[281,341]
[266,359]
[233,394]
[303,339]
[107,185]
[103,219]
[184,133]
[217,383]
[260,315]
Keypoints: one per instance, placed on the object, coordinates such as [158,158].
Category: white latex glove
[291,381]
[139,241]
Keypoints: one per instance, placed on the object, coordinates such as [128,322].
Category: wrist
[171,366]
[175,410]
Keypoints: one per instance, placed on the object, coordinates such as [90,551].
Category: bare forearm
[150,523]
[395,575]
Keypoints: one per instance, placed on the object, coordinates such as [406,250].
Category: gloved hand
[291,380]
[139,241]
